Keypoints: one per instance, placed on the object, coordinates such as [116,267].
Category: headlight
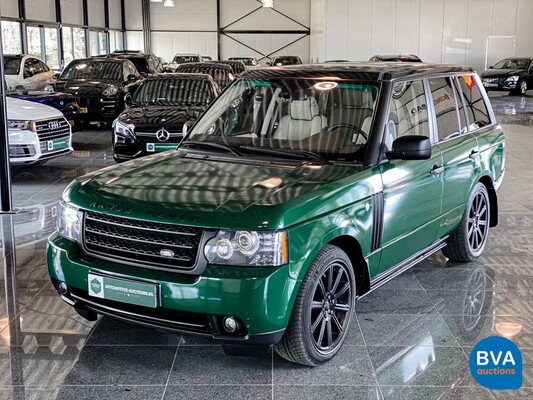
[513,79]
[111,90]
[68,222]
[19,125]
[48,88]
[248,248]
[123,129]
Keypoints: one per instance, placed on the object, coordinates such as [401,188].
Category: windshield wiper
[212,145]
[300,154]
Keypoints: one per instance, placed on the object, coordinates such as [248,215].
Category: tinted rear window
[11,65]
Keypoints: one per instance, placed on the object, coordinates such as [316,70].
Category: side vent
[377,220]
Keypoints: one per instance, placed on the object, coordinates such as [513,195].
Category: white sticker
[96,286]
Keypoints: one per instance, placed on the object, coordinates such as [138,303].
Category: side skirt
[398,269]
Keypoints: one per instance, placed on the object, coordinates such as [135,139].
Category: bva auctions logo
[496,363]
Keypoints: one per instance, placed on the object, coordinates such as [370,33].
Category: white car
[26,72]
[182,58]
[36,132]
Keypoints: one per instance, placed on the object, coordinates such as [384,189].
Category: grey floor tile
[112,332]
[196,365]
[423,365]
[395,302]
[523,393]
[351,366]
[412,329]
[312,392]
[211,392]
[453,279]
[434,393]
[122,365]
[84,392]
[406,281]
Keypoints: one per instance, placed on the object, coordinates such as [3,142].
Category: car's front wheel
[322,311]
[521,88]
[468,241]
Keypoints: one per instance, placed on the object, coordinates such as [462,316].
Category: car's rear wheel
[468,240]
[322,311]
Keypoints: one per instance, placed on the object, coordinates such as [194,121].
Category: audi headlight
[248,248]
[123,129]
[19,125]
[513,79]
[68,221]
[111,90]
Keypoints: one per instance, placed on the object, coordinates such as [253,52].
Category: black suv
[284,60]
[146,63]
[158,111]
[514,75]
[238,67]
[395,58]
[221,73]
[99,85]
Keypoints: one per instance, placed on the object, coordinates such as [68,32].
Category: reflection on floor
[410,339]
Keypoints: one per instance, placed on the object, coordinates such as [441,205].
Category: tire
[521,88]
[468,240]
[322,312]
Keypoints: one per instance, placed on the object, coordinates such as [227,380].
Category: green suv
[299,190]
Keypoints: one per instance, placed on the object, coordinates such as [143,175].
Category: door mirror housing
[491,67]
[132,78]
[187,127]
[410,147]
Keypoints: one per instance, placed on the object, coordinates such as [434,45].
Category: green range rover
[298,191]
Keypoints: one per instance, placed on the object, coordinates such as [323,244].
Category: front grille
[146,137]
[141,242]
[52,129]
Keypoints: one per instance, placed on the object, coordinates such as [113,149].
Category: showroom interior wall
[60,30]
[192,26]
[448,31]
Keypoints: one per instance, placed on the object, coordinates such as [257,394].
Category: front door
[412,190]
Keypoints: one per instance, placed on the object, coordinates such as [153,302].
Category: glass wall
[74,45]
[98,42]
[44,43]
[116,41]
[11,37]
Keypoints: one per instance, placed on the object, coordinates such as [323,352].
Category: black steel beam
[245,45]
[147,34]
[266,32]
[241,18]
[23,33]
[6,200]
[59,20]
[85,13]
[106,13]
[219,38]
[123,19]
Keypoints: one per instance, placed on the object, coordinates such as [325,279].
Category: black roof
[205,66]
[180,75]
[100,59]
[367,71]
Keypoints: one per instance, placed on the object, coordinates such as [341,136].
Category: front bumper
[260,298]
[499,84]
[99,109]
[129,148]
[25,148]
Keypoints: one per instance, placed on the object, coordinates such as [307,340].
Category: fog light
[230,324]
[62,288]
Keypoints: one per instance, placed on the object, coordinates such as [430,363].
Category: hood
[501,73]
[29,111]
[82,87]
[169,117]
[173,189]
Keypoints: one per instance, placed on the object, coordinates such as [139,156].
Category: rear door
[458,148]
[412,190]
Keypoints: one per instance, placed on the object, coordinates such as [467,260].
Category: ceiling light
[156,1]
[168,3]
[268,3]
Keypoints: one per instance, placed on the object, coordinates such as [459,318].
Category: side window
[408,113]
[444,102]
[478,114]
[129,69]
[30,68]
[43,67]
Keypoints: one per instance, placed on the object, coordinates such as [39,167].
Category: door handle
[474,155]
[437,170]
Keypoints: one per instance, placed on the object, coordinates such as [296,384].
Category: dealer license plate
[84,110]
[57,144]
[160,147]
[123,290]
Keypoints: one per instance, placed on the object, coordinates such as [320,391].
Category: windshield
[173,92]
[95,70]
[246,60]
[186,59]
[11,65]
[513,63]
[286,61]
[330,119]
[141,64]
[223,77]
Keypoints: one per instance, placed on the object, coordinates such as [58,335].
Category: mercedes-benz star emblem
[162,135]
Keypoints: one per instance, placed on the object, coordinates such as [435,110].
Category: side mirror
[127,100]
[132,78]
[186,127]
[56,76]
[410,148]
[491,67]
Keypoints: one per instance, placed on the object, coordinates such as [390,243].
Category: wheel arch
[493,199]
[351,246]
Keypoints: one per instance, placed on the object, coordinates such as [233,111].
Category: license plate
[123,290]
[160,147]
[57,144]
[84,110]
[490,84]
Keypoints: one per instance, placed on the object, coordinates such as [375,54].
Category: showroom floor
[411,339]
